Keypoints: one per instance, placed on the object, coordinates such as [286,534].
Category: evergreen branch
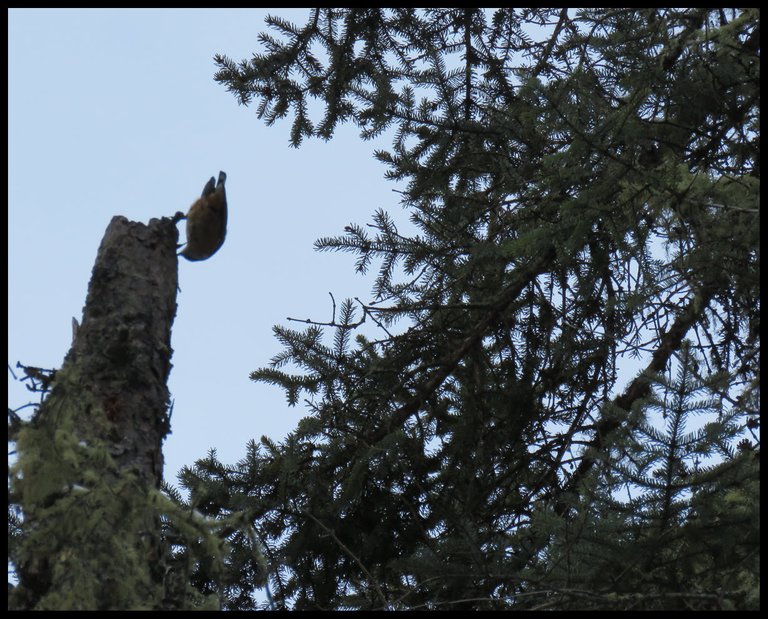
[469,59]
[637,389]
[447,365]
[544,60]
[351,554]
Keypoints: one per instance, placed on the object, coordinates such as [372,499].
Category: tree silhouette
[584,185]
[582,197]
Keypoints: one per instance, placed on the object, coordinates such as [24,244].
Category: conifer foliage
[584,185]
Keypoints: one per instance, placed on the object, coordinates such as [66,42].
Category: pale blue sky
[115,112]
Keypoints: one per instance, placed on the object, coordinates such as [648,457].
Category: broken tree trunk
[90,461]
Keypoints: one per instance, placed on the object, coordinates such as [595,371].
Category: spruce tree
[584,184]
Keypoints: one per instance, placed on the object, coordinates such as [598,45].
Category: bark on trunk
[90,460]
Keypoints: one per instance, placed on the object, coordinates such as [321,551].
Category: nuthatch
[207,221]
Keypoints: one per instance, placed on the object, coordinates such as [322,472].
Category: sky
[115,112]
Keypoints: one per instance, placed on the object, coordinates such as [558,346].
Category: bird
[207,221]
